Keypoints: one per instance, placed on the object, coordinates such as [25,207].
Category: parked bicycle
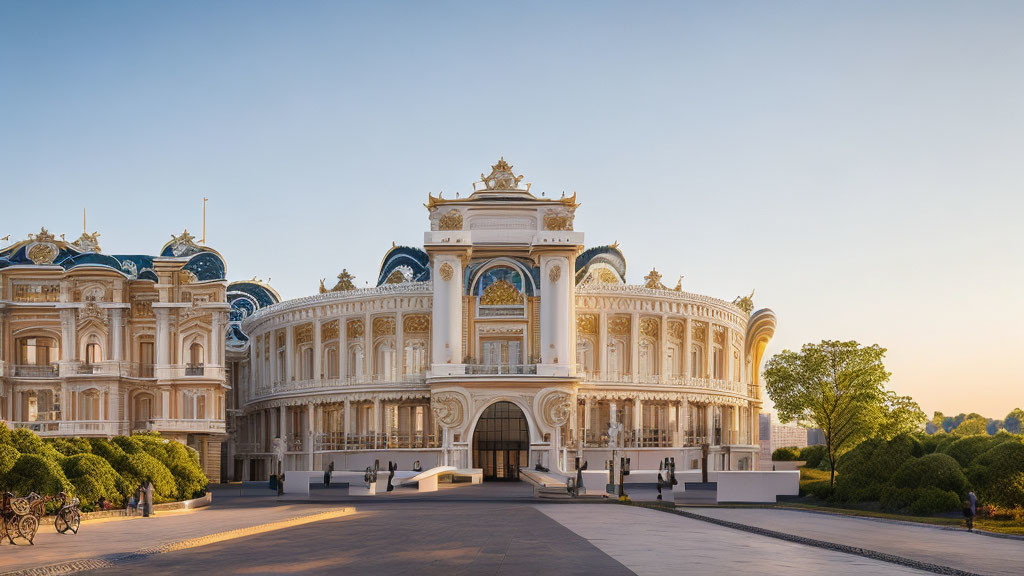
[68,518]
[18,519]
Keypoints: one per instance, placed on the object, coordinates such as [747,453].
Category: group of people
[142,500]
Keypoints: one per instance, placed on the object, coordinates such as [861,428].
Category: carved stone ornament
[355,328]
[344,282]
[586,324]
[556,408]
[501,177]
[329,331]
[450,220]
[183,245]
[447,272]
[186,277]
[619,325]
[555,219]
[555,273]
[383,326]
[501,293]
[43,251]
[653,280]
[93,312]
[304,334]
[700,330]
[718,333]
[88,242]
[447,409]
[649,327]
[745,303]
[416,324]
[675,330]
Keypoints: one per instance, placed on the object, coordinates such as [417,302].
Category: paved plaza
[499,529]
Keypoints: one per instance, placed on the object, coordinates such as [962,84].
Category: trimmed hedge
[814,456]
[97,467]
[998,475]
[786,454]
[931,471]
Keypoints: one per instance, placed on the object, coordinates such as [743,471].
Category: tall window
[648,358]
[385,363]
[331,362]
[355,360]
[89,405]
[196,356]
[585,354]
[718,362]
[307,364]
[415,357]
[37,351]
[93,353]
[697,361]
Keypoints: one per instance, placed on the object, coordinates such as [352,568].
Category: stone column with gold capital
[446,315]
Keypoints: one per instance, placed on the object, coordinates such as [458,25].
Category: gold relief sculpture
[355,328]
[501,177]
[323,289]
[619,325]
[88,242]
[186,277]
[93,312]
[679,285]
[718,333]
[142,309]
[447,271]
[43,253]
[700,330]
[745,303]
[416,324]
[605,276]
[43,236]
[555,273]
[450,220]
[396,277]
[653,280]
[586,324]
[501,293]
[281,337]
[558,220]
[303,333]
[675,330]
[383,326]
[344,282]
[649,327]
[329,331]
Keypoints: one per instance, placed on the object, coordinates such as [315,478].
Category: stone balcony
[55,428]
[179,425]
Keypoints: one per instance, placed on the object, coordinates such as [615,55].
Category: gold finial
[654,280]
[679,284]
[323,289]
[393,244]
[85,229]
[344,282]
[745,303]
[615,244]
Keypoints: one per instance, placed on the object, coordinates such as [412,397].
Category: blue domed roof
[610,255]
[245,298]
[404,264]
[207,266]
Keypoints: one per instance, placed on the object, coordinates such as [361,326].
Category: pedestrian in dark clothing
[971,510]
[327,475]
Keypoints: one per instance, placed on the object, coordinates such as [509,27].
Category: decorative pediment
[501,177]
[501,293]
[450,220]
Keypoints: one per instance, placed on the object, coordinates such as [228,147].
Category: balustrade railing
[194,370]
[657,438]
[36,371]
[501,369]
[209,426]
[75,427]
[327,441]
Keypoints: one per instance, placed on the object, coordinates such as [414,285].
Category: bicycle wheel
[27,527]
[60,522]
[76,520]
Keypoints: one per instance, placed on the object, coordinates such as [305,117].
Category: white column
[727,355]
[634,346]
[317,352]
[367,345]
[273,358]
[663,349]
[709,351]
[116,335]
[282,430]
[309,433]
[342,349]
[710,417]
[69,343]
[289,353]
[399,347]
[555,312]
[687,344]
[602,344]
[446,313]
[163,338]
[586,419]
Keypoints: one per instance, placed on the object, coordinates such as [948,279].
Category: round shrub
[5,435]
[931,471]
[140,467]
[967,448]
[70,446]
[998,475]
[786,454]
[865,470]
[930,442]
[94,477]
[8,457]
[129,444]
[27,442]
[37,473]
[933,500]
[813,456]
[895,499]
[188,475]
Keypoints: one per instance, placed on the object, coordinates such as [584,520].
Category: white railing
[75,427]
[715,384]
[501,369]
[34,371]
[183,425]
[328,383]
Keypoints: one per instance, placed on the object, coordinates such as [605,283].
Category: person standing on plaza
[147,499]
[972,505]
[327,475]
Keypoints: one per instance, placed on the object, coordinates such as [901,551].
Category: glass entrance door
[501,442]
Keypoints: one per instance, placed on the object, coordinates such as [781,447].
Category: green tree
[899,415]
[838,386]
[972,425]
[1014,421]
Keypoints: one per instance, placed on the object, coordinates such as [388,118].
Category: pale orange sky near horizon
[859,165]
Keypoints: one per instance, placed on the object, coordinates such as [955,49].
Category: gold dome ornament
[344,282]
[745,303]
[654,280]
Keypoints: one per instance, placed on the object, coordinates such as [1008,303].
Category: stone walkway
[655,543]
[954,548]
[100,538]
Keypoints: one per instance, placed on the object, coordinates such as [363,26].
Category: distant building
[775,435]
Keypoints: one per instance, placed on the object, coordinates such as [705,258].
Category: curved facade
[501,343]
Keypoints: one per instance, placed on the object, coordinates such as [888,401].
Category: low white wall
[360,460]
[786,464]
[757,486]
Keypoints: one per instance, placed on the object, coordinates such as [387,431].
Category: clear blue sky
[860,165]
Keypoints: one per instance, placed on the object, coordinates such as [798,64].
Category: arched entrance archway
[501,441]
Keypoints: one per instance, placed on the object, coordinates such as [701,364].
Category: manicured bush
[71,446]
[36,473]
[863,472]
[5,435]
[967,448]
[94,477]
[27,442]
[930,442]
[786,454]
[997,475]
[130,444]
[8,456]
[178,458]
[931,471]
[933,500]
[813,456]
[140,467]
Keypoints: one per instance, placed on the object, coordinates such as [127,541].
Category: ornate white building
[99,345]
[500,344]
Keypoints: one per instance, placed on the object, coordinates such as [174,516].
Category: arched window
[37,351]
[385,359]
[355,361]
[697,361]
[648,358]
[93,353]
[585,355]
[331,362]
[307,364]
[499,292]
[196,360]
[717,363]
[672,358]
[415,356]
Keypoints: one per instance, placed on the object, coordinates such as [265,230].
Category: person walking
[327,475]
[972,505]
